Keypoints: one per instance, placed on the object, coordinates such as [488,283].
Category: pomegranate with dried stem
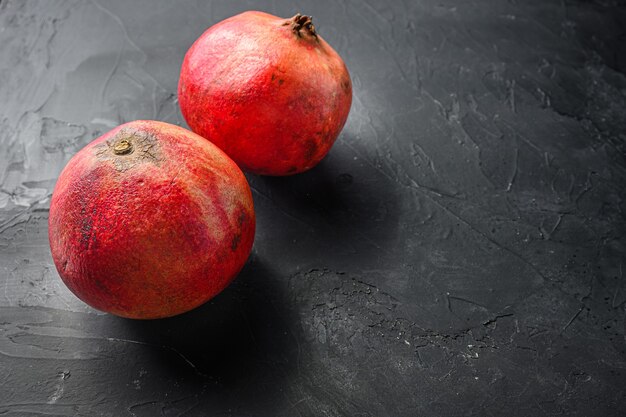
[268,91]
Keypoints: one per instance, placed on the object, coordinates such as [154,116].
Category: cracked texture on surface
[460,251]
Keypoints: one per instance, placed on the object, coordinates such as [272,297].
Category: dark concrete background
[460,252]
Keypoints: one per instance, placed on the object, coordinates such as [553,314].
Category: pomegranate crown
[302,25]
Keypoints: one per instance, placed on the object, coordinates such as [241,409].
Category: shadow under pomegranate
[239,344]
[334,213]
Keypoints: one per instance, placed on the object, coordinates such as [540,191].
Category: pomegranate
[150,220]
[268,91]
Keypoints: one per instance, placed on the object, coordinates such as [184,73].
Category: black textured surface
[459,253]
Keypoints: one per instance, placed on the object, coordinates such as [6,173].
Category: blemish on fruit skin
[88,214]
[235,242]
[241,218]
[86,230]
[310,149]
[345,85]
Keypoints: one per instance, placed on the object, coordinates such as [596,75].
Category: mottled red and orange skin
[153,232]
[268,91]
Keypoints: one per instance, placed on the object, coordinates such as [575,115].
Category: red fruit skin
[154,232]
[274,99]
